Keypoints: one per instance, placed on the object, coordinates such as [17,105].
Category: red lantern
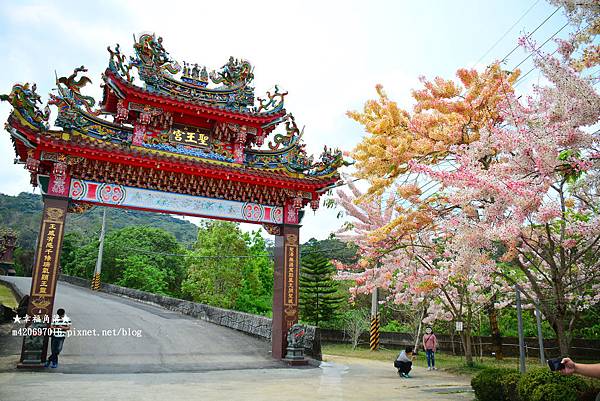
[314,204]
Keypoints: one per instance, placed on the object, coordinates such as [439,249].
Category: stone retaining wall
[6,313]
[255,325]
[15,290]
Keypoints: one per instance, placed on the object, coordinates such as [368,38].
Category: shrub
[592,392]
[393,326]
[554,392]
[509,383]
[532,380]
[488,384]
[544,385]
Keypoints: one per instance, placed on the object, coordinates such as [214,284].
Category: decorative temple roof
[228,88]
[174,117]
[121,89]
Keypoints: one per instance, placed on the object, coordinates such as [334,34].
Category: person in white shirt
[404,362]
[60,324]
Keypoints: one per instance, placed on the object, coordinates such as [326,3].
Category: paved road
[169,340]
[183,359]
[337,379]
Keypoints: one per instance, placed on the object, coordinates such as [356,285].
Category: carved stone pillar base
[294,353]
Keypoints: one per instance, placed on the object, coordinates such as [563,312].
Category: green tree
[319,297]
[355,322]
[23,261]
[71,243]
[157,257]
[159,248]
[80,260]
[256,295]
[333,248]
[140,273]
[214,274]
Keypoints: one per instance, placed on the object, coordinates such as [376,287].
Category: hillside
[22,213]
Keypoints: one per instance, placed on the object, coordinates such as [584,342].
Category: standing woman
[430,345]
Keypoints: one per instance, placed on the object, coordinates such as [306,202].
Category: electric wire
[529,35]
[507,32]
[522,78]
[542,45]
[263,255]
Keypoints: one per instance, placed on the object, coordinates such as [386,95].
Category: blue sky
[328,54]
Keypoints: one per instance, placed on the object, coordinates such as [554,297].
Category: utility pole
[538,318]
[98,269]
[520,326]
[374,332]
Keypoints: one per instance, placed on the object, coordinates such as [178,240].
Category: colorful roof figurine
[179,119]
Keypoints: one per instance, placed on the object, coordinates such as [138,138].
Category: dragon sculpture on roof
[25,99]
[234,73]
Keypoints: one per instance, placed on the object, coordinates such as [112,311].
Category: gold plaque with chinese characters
[195,137]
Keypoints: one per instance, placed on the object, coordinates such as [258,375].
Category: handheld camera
[555,364]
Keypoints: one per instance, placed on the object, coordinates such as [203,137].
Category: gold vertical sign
[290,300]
[44,276]
[47,260]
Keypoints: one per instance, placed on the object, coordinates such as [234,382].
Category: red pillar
[285,287]
[43,279]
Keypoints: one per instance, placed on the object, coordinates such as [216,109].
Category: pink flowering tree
[527,189]
[580,50]
[365,218]
[515,192]
[427,270]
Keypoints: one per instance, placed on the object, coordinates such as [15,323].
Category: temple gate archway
[188,142]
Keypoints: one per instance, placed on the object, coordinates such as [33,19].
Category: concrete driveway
[168,342]
[182,358]
[336,379]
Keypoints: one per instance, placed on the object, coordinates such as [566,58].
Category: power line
[528,36]
[262,255]
[551,54]
[507,32]
[521,78]
[542,45]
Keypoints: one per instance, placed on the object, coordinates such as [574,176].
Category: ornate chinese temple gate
[187,142]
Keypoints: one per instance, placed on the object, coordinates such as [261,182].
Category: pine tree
[319,298]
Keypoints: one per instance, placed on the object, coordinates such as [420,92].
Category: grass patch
[443,361]
[7,297]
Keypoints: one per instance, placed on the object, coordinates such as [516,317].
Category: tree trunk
[468,345]
[418,336]
[494,328]
[451,330]
[480,340]
[564,340]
